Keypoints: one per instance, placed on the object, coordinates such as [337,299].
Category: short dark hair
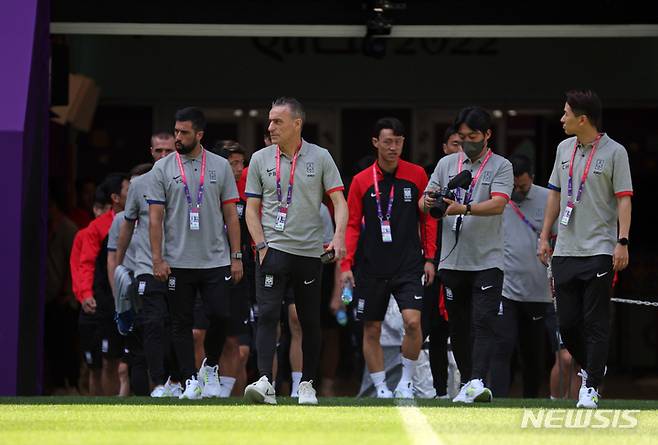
[112,184]
[586,103]
[100,197]
[295,106]
[475,118]
[391,123]
[193,115]
[228,147]
[161,135]
[449,132]
[521,164]
[140,169]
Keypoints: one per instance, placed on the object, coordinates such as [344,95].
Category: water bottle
[341,317]
[347,293]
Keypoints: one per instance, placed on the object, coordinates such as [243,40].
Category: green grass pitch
[340,421]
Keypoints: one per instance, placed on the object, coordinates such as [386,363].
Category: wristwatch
[468,209]
[623,241]
[261,245]
[236,256]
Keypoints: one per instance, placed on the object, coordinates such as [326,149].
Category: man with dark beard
[193,192]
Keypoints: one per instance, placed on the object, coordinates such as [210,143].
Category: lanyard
[520,214]
[585,172]
[201,179]
[292,176]
[471,188]
[377,196]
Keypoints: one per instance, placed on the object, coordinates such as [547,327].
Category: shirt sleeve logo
[310,169]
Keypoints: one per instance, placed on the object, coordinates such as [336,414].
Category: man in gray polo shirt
[194,193]
[471,263]
[590,196]
[287,228]
[526,292]
[134,234]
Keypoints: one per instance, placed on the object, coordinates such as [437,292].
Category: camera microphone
[462,180]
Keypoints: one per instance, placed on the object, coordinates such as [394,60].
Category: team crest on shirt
[486,177]
[213,175]
[599,165]
[407,194]
[269,280]
[310,169]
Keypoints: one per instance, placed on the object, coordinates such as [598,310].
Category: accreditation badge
[566,216]
[194,219]
[280,223]
[387,236]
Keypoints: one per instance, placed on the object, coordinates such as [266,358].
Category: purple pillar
[24,99]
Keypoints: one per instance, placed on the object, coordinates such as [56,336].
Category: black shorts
[374,294]
[237,322]
[184,286]
[99,338]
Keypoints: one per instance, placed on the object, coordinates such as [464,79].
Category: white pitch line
[418,428]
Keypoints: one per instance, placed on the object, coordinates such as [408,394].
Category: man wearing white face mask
[471,263]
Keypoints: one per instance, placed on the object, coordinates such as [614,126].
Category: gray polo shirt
[113,241]
[480,243]
[207,247]
[137,210]
[592,229]
[526,277]
[315,174]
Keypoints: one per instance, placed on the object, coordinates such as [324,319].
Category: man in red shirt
[100,340]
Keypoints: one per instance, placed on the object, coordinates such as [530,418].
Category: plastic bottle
[347,293]
[341,317]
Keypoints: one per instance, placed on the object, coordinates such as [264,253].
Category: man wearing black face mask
[471,264]
[526,293]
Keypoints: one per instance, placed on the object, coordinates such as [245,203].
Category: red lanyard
[377,196]
[292,176]
[520,214]
[201,179]
[471,188]
[595,144]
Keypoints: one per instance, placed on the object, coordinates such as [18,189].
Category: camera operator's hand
[454,208]
[427,201]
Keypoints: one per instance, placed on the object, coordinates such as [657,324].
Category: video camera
[462,180]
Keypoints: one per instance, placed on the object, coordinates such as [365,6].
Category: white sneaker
[173,388]
[307,393]
[159,391]
[583,378]
[201,375]
[192,390]
[260,391]
[474,391]
[167,390]
[404,390]
[384,393]
[210,379]
[587,398]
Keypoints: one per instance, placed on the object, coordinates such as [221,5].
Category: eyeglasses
[389,142]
